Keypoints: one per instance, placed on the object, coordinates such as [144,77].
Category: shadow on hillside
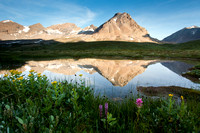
[9,43]
[7,47]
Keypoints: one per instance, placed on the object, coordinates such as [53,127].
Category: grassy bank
[33,104]
[193,74]
[18,53]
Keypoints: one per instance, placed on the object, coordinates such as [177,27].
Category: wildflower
[20,72]
[106,109]
[39,76]
[15,72]
[181,97]
[30,75]
[80,75]
[6,75]
[139,102]
[31,71]
[170,95]
[100,110]
[54,82]
[20,78]
[12,72]
[13,80]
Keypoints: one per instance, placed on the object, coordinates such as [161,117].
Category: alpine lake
[116,79]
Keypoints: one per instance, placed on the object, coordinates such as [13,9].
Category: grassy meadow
[33,104]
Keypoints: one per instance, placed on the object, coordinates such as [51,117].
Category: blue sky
[160,17]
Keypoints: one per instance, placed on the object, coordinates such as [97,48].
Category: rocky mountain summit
[184,35]
[121,27]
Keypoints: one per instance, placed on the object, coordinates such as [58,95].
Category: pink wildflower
[139,102]
[106,109]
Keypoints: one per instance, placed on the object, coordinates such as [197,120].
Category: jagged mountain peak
[122,27]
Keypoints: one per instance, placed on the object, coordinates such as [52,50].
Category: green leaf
[52,117]
[7,107]
[20,120]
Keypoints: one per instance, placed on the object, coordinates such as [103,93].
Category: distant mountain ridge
[184,35]
[121,27]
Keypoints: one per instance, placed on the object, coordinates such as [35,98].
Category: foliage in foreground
[33,104]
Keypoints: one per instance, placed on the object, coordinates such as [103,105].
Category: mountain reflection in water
[114,78]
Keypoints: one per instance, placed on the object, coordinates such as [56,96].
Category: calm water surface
[114,78]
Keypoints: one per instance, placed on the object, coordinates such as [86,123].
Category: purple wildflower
[100,110]
[106,109]
[139,102]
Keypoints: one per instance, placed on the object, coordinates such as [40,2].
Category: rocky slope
[121,27]
[184,35]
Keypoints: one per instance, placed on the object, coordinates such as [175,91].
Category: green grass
[33,104]
[19,54]
[193,74]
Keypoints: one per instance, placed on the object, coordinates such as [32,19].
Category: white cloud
[49,12]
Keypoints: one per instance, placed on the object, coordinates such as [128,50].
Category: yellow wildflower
[80,75]
[13,80]
[20,72]
[170,95]
[30,75]
[54,82]
[182,97]
[15,72]
[6,75]
[39,74]
[12,72]
[31,71]
[20,78]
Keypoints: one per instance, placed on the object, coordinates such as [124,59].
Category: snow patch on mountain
[75,32]
[51,31]
[26,29]
[193,32]
[115,19]
[192,27]
[6,21]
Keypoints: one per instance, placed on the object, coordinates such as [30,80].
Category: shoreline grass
[32,104]
[193,74]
